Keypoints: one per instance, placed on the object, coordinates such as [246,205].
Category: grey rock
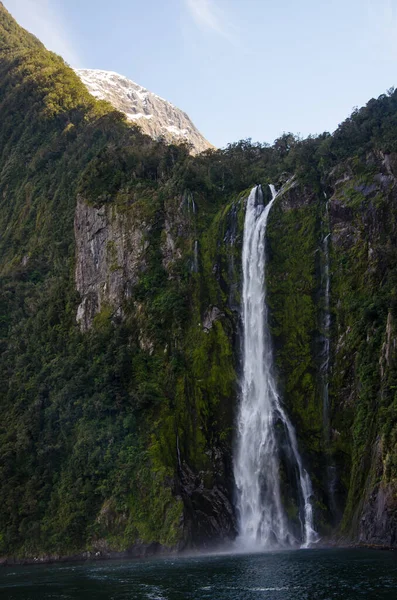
[212,314]
[156,117]
[378,522]
[109,258]
[209,516]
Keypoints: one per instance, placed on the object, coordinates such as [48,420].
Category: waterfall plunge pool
[331,574]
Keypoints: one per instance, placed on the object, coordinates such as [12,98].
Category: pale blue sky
[239,68]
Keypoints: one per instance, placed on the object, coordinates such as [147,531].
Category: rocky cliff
[345,427]
[120,266]
[156,117]
[110,250]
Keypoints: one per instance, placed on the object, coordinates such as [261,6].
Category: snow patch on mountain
[156,117]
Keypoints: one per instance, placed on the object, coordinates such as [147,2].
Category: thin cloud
[41,19]
[208,16]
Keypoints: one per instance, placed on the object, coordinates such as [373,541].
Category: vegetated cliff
[348,433]
[119,338]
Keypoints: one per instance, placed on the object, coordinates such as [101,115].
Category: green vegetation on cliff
[73,447]
[91,422]
[123,433]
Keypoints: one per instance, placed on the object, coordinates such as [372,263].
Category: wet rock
[212,314]
[109,258]
[292,196]
[378,522]
[209,515]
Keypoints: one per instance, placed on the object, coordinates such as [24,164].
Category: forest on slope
[117,429]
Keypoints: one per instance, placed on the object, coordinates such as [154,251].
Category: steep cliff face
[120,266]
[156,117]
[110,250]
[364,280]
[118,248]
[302,217]
[131,263]
[355,209]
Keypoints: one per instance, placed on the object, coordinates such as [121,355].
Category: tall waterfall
[263,426]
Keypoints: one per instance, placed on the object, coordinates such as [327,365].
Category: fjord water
[263,424]
[287,575]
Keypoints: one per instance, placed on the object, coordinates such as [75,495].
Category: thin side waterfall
[326,327]
[263,426]
[195,259]
[192,208]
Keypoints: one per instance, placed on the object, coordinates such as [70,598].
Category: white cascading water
[263,522]
[195,259]
[324,370]
[326,325]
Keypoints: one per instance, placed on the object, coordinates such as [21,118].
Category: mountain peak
[156,116]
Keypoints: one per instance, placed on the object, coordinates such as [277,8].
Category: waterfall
[191,203]
[324,370]
[263,521]
[326,324]
[195,266]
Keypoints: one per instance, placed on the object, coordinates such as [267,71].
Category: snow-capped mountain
[156,116]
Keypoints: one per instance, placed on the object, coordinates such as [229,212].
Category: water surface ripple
[288,575]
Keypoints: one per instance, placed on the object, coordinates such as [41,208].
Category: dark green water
[299,575]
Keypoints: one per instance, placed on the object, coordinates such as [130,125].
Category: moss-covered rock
[120,267]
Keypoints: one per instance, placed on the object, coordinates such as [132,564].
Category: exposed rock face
[209,514]
[109,257]
[212,314]
[355,209]
[378,523]
[142,456]
[157,117]
[179,224]
[110,254]
[112,243]
[364,232]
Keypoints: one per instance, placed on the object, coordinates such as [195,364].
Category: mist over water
[262,421]
[286,575]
